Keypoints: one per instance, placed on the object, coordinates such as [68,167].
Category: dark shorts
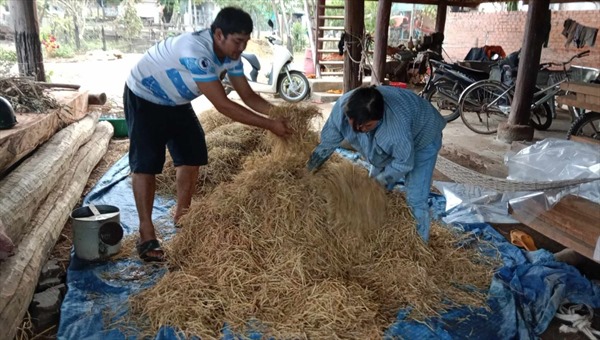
[151,127]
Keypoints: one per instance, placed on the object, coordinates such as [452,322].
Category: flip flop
[151,245]
[522,239]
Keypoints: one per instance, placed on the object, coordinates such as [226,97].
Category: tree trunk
[279,30]
[27,39]
[24,188]
[20,273]
[103,39]
[76,31]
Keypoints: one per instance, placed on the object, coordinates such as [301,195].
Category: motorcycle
[445,84]
[290,84]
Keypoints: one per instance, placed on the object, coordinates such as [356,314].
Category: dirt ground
[104,72]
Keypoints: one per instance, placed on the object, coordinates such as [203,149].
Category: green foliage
[512,6]
[8,55]
[8,58]
[65,52]
[61,28]
[130,24]
[49,75]
[299,37]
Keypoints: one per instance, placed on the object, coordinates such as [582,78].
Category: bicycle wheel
[541,117]
[587,125]
[483,105]
[447,108]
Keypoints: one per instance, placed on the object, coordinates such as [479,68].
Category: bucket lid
[111,233]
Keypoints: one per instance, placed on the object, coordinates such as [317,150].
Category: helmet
[7,114]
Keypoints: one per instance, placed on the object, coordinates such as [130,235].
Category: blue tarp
[523,297]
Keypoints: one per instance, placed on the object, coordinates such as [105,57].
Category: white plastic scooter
[291,84]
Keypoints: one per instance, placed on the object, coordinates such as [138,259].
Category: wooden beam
[382,23]
[354,27]
[580,87]
[572,222]
[33,129]
[440,19]
[538,16]
[572,100]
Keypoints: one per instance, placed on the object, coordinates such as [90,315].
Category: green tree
[130,24]
[76,11]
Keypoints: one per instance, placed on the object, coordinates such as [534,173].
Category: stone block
[45,308]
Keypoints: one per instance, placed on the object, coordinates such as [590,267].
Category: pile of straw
[299,255]
[26,96]
[211,119]
[227,146]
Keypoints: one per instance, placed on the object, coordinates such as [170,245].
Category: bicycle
[587,125]
[486,103]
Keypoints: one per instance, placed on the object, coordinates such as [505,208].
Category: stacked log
[33,129]
[36,199]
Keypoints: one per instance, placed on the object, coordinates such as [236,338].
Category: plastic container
[96,237]
[119,124]
[398,84]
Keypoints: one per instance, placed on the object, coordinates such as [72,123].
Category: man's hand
[280,128]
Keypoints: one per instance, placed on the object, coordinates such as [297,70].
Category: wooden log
[33,129]
[57,85]
[24,188]
[572,222]
[20,273]
[97,99]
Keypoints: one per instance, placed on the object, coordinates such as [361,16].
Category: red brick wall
[465,30]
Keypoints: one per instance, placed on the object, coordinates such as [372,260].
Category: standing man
[157,105]
[396,131]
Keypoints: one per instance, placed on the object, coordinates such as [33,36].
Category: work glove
[316,160]
[386,180]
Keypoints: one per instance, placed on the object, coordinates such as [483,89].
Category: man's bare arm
[250,98]
[216,94]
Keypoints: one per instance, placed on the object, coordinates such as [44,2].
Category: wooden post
[517,127]
[310,33]
[440,19]
[27,39]
[104,39]
[382,24]
[354,26]
[320,12]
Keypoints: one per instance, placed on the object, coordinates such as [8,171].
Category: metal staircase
[329,28]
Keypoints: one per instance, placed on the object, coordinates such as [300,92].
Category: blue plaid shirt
[409,124]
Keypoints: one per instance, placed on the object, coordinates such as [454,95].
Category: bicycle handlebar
[579,55]
[544,66]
